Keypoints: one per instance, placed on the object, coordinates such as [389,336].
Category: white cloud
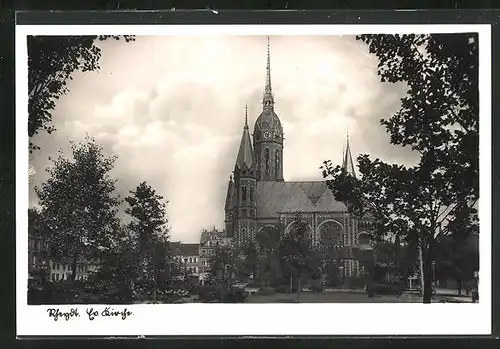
[172,109]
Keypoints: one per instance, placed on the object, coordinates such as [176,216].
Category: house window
[251,193]
[53,277]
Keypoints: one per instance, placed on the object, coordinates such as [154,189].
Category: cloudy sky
[172,109]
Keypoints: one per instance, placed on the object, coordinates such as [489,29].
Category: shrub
[236,295]
[208,294]
[317,286]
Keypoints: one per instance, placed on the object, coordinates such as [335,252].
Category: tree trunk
[427,273]
[459,287]
[421,263]
[298,288]
[74,264]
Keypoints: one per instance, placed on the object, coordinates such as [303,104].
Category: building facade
[260,201]
[210,240]
[188,257]
[41,265]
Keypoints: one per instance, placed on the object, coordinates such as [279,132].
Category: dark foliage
[78,217]
[439,119]
[51,61]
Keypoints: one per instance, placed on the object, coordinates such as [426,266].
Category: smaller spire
[245,153]
[230,194]
[347,163]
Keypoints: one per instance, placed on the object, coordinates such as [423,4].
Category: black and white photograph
[273,168]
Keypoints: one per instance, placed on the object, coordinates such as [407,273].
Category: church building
[259,200]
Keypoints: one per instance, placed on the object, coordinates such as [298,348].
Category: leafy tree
[119,266]
[439,119]
[78,205]
[248,262]
[457,259]
[268,239]
[35,230]
[51,61]
[295,251]
[149,232]
[222,265]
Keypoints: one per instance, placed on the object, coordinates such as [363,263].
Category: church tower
[268,135]
[245,183]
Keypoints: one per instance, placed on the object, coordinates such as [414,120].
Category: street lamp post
[433,276]
[475,291]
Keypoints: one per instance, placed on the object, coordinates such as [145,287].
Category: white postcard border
[256,319]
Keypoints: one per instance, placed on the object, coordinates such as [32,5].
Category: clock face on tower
[267,134]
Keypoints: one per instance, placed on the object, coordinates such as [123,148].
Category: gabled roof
[208,235]
[181,249]
[290,197]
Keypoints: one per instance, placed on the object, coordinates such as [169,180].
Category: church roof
[268,121]
[290,197]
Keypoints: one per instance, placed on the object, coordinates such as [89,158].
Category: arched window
[266,155]
[243,193]
[277,160]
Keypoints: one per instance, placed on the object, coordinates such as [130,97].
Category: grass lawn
[332,297]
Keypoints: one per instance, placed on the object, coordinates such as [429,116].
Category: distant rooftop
[181,249]
[212,234]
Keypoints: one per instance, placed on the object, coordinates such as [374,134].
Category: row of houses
[39,261]
[194,258]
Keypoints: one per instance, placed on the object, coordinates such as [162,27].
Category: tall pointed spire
[245,153]
[246,114]
[347,163]
[268,100]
